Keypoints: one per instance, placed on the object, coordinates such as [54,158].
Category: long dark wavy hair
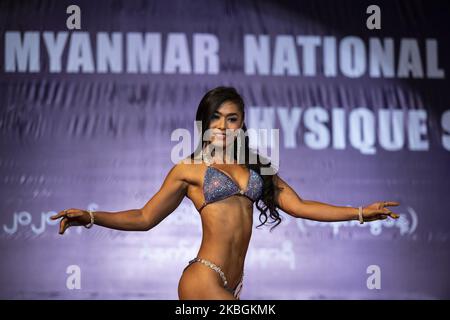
[210,102]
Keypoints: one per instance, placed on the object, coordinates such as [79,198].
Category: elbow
[145,223]
[143,227]
[148,223]
[147,227]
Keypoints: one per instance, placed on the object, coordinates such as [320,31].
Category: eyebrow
[229,114]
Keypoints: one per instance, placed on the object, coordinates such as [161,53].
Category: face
[224,122]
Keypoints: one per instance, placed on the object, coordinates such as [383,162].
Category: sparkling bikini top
[218,185]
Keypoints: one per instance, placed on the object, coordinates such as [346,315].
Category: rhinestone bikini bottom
[236,292]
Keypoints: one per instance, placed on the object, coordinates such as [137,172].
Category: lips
[220,135]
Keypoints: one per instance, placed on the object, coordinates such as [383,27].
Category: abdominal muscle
[227,229]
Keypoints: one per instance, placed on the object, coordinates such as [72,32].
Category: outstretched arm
[168,198]
[164,202]
[289,201]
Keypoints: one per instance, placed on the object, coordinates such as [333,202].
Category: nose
[221,124]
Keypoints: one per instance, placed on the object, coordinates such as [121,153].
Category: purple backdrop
[86,117]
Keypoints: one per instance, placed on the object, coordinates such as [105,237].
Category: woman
[223,190]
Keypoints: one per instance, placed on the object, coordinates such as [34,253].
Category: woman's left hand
[378,211]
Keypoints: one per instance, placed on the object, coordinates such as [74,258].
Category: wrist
[356,214]
[91,218]
[360,215]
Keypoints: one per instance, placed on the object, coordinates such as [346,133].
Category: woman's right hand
[70,218]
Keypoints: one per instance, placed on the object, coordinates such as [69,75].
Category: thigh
[199,282]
